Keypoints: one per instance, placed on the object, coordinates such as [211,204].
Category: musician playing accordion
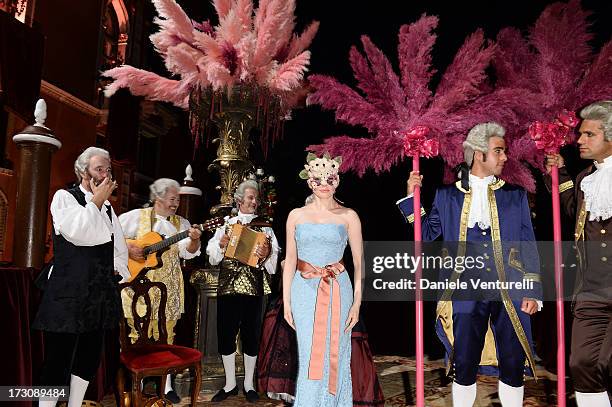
[240,292]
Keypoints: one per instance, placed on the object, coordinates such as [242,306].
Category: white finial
[40,112]
[188,172]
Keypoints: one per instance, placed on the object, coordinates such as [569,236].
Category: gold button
[603,244]
[486,256]
[603,231]
[484,233]
[485,245]
[488,268]
[604,259]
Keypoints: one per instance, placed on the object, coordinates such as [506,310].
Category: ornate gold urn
[234,113]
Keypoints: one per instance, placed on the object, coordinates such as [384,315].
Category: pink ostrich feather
[182,60]
[291,73]
[555,67]
[273,30]
[175,26]
[237,22]
[415,44]
[391,106]
[386,79]
[244,11]
[596,84]
[560,36]
[149,85]
[300,42]
[230,28]
[250,48]
[222,7]
[462,79]
[350,107]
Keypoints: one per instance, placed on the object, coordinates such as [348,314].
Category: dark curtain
[22,347]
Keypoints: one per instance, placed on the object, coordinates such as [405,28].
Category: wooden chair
[149,357]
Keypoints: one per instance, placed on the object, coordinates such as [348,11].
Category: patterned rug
[397,377]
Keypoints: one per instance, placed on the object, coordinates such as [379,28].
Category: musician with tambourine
[247,251]
[161,265]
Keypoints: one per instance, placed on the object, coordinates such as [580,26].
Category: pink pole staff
[416,144]
[558,288]
[420,373]
[550,137]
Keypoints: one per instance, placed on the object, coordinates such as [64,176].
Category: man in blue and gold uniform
[487,333]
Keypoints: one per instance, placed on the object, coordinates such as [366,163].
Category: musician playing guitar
[161,218]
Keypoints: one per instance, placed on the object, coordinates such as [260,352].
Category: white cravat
[597,189]
[479,209]
[245,217]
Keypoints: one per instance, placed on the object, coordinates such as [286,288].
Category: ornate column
[36,144]
[234,114]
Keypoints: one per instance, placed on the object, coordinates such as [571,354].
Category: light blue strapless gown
[320,245]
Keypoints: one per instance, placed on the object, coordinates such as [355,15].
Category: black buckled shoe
[251,396]
[222,394]
[173,397]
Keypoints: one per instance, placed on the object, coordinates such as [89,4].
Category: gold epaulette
[566,186]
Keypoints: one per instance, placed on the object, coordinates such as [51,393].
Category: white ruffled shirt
[597,189]
[479,209]
[89,226]
[216,253]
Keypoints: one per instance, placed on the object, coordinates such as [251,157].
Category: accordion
[243,241]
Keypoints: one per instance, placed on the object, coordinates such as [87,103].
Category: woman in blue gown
[320,302]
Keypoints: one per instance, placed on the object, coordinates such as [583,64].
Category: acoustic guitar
[154,245]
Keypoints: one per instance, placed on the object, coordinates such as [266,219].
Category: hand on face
[97,171]
[103,190]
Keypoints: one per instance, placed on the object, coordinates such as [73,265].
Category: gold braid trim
[410,217]
[533,277]
[579,232]
[444,309]
[566,186]
[501,273]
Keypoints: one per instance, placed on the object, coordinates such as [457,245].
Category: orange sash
[325,294]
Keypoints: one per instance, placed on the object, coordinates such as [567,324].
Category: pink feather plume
[148,84]
[291,73]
